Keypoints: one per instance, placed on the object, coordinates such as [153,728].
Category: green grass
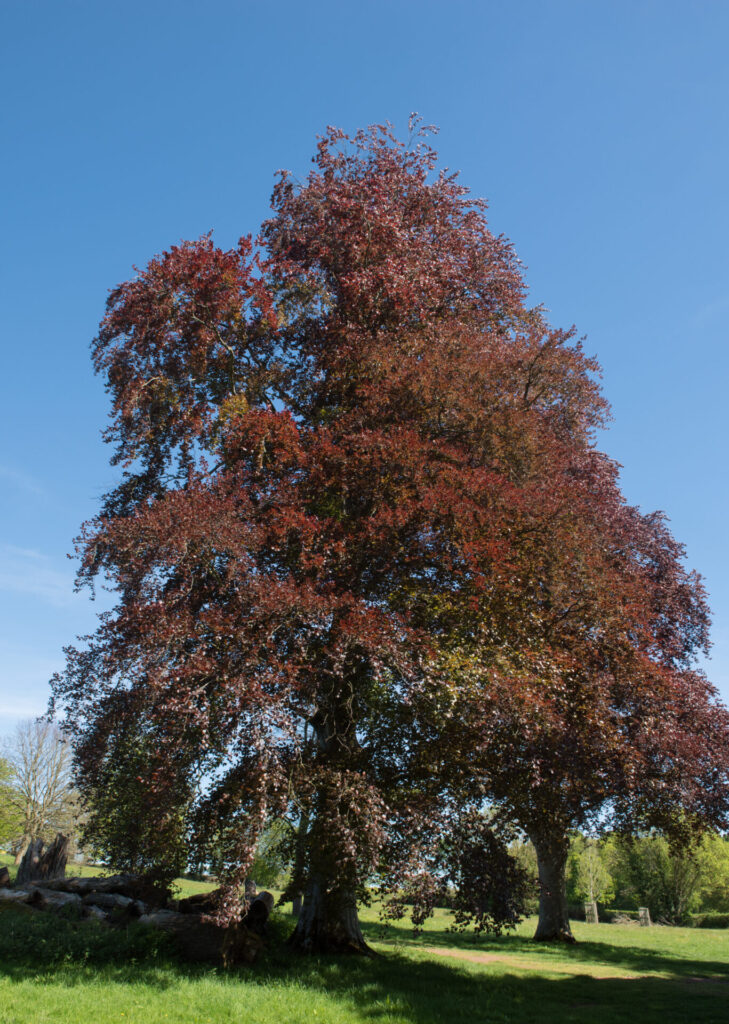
[59,971]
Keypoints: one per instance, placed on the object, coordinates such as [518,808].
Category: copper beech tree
[577,705]
[357,474]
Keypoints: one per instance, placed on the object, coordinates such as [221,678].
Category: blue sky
[596,129]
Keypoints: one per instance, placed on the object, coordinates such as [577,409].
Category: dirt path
[523,964]
[593,970]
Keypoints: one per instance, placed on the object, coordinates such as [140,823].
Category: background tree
[10,818]
[39,795]
[672,883]
[588,875]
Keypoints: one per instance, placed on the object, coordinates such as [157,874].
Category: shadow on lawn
[584,952]
[393,986]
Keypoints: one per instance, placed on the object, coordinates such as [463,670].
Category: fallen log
[15,895]
[200,903]
[107,900]
[50,899]
[90,910]
[259,910]
[132,886]
[201,940]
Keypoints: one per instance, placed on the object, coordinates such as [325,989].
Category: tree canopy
[371,568]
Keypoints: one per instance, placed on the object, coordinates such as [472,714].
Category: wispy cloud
[28,571]
[711,311]
[21,481]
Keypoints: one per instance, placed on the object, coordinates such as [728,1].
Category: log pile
[118,899]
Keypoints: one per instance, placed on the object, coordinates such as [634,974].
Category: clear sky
[597,130]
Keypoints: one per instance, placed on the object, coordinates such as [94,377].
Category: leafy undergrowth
[59,971]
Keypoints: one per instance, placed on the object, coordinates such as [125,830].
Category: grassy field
[56,971]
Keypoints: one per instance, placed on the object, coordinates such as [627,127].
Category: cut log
[108,900]
[51,899]
[95,913]
[258,913]
[15,895]
[240,946]
[203,941]
[200,903]
[132,886]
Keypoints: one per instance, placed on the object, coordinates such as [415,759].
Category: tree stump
[644,916]
[53,862]
[4,878]
[28,870]
[591,913]
[37,866]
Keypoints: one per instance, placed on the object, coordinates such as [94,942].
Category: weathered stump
[37,866]
[591,913]
[28,870]
[644,917]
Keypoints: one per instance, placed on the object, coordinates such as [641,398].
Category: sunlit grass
[56,971]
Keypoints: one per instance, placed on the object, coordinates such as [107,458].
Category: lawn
[56,971]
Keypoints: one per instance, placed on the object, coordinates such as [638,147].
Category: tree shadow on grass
[585,952]
[414,986]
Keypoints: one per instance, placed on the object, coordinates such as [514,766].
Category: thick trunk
[328,923]
[553,923]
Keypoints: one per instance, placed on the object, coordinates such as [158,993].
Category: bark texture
[553,925]
[328,923]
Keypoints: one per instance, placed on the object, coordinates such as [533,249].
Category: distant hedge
[710,920]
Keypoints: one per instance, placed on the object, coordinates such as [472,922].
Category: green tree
[10,818]
[672,883]
[714,887]
[40,797]
[588,877]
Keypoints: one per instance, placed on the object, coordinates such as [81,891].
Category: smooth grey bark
[554,925]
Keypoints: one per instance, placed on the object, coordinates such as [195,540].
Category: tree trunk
[328,923]
[554,925]
[328,920]
[20,853]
